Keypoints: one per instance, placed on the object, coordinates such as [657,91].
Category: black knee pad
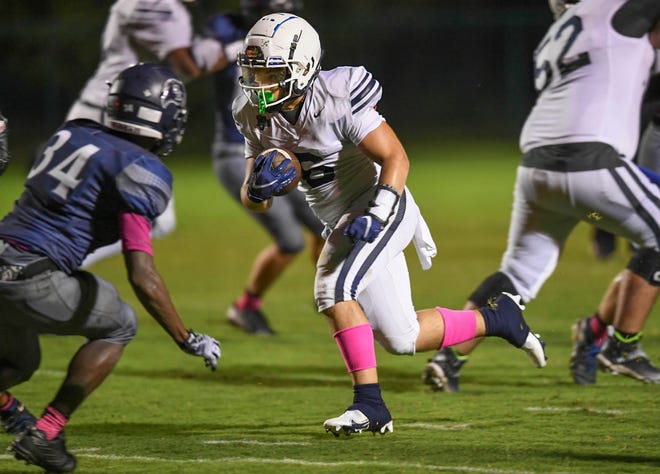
[646,263]
[491,287]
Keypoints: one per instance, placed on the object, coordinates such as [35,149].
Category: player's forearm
[262,206]
[156,301]
[394,173]
[150,289]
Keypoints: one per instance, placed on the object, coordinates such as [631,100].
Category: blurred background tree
[453,69]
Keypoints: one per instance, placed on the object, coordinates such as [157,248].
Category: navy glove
[265,180]
[653,176]
[203,346]
[364,227]
[5,156]
[367,226]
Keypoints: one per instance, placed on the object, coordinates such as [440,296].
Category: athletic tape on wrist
[382,206]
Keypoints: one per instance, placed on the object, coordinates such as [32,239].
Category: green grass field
[162,411]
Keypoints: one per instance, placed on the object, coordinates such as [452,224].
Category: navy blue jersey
[83,179]
[226,28]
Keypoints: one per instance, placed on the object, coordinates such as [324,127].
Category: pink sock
[51,422]
[460,326]
[9,402]
[598,329]
[356,345]
[248,302]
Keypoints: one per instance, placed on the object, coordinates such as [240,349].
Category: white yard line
[255,442]
[435,426]
[577,409]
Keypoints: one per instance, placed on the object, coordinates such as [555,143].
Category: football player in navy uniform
[354,171]
[578,143]
[148,30]
[91,185]
[290,217]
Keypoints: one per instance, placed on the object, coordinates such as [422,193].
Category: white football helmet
[558,7]
[281,51]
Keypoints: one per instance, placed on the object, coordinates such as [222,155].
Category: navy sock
[368,393]
[490,321]
[502,321]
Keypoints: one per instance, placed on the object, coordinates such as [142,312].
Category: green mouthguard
[265,98]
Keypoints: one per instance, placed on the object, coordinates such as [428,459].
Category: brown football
[282,154]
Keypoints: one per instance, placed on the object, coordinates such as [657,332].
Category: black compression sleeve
[636,17]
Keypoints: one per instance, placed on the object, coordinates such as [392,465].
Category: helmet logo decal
[173,93]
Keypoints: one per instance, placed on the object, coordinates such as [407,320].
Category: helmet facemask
[280,61]
[267,88]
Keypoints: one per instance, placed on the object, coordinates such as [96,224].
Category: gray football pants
[81,304]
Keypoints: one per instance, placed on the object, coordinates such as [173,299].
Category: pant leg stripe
[357,248]
[637,205]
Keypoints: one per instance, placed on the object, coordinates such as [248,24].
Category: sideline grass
[162,411]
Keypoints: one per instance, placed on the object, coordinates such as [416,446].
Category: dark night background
[448,68]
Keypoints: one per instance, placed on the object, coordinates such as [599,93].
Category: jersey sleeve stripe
[141,185]
[366,96]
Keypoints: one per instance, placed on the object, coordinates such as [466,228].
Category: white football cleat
[534,346]
[354,421]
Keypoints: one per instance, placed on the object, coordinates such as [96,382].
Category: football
[282,154]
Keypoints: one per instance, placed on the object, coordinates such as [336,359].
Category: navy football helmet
[148,100]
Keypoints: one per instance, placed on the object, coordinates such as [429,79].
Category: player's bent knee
[646,263]
[291,245]
[397,345]
[491,287]
[126,330]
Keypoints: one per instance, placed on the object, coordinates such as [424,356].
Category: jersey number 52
[550,57]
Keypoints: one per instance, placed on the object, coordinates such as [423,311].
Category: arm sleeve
[135,232]
[635,18]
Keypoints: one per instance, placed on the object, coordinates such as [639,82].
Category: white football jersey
[590,80]
[136,30]
[339,110]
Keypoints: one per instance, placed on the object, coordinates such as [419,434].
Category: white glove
[204,346]
[206,52]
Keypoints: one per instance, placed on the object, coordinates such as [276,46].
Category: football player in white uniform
[287,221]
[354,175]
[591,70]
[139,30]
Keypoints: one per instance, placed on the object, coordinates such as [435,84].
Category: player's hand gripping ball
[276,172]
[279,158]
